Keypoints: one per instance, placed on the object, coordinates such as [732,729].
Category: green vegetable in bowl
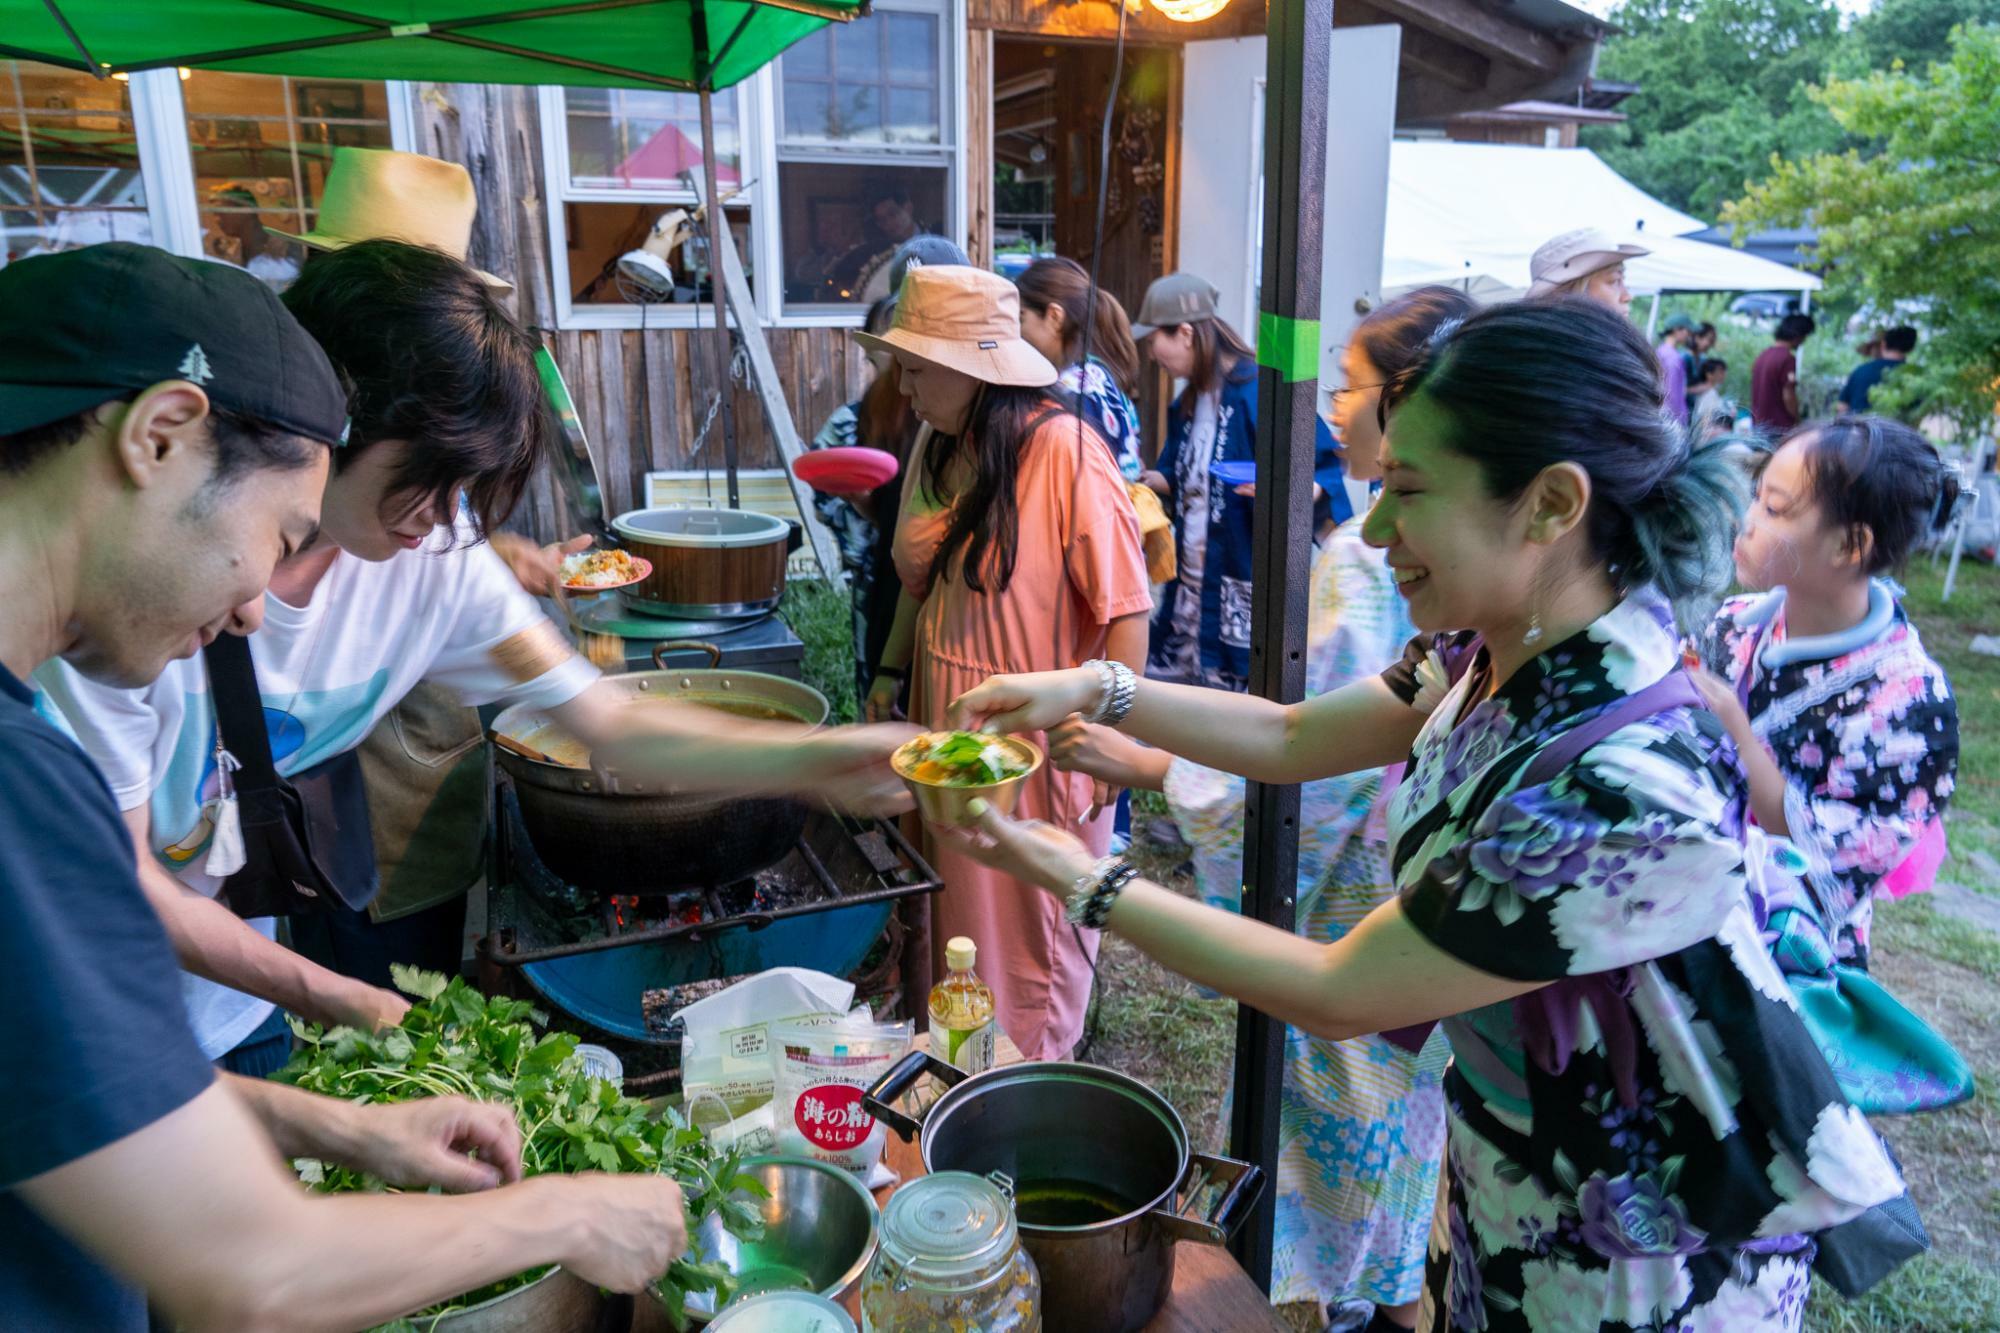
[964,759]
[455,1041]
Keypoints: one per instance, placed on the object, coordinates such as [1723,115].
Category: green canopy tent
[684,45]
[693,46]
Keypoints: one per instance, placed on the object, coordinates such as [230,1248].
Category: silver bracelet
[1118,688]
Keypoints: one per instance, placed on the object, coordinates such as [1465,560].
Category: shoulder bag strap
[239,710]
[1676,689]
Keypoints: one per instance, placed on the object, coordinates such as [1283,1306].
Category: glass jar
[950,1261]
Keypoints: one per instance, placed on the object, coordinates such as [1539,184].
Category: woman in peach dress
[1019,551]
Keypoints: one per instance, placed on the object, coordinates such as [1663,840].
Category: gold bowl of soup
[946,770]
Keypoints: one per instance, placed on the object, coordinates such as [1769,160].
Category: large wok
[610,834]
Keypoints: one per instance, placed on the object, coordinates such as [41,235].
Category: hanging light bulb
[1189,11]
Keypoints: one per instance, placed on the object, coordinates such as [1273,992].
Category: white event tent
[1470,215]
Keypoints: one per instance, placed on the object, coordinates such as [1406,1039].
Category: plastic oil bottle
[963,1032]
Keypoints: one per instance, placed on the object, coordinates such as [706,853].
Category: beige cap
[377,194]
[959,952]
[1577,254]
[964,319]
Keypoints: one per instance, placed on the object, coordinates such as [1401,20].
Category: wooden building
[902,120]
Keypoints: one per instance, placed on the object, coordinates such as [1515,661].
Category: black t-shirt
[93,1034]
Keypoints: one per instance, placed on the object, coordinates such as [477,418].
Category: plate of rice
[589,572]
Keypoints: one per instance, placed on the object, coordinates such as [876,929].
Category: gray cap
[1178,298]
[920,251]
[1680,319]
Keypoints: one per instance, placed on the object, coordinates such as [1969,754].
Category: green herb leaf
[415,981]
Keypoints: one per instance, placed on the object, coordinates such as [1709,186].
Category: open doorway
[1048,105]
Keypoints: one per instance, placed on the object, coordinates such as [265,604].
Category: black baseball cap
[81,327]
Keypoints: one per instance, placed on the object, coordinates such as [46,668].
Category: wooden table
[1211,1292]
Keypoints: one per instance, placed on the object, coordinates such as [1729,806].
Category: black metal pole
[717,304]
[1299,34]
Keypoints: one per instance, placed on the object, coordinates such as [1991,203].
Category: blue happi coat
[1224,641]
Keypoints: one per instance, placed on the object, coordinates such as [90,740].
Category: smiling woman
[1642,1131]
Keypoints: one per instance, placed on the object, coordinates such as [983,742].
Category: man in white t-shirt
[449,422]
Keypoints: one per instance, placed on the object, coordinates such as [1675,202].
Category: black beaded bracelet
[1097,908]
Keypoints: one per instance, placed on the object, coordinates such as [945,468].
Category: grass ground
[1940,954]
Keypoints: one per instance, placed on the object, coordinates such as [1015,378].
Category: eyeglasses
[1344,389]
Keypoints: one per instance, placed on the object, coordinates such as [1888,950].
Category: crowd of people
[1545,1069]
[1635,1125]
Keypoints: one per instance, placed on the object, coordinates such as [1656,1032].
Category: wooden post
[777,413]
[1295,116]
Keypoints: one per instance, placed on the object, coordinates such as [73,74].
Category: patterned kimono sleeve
[1628,856]
[1421,675]
[1725,644]
[1890,780]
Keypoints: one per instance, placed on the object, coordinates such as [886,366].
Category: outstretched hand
[850,767]
[538,569]
[1027,849]
[1004,705]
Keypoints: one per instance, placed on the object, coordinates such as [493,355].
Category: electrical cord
[1090,1024]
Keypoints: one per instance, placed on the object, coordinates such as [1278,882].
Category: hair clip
[1951,502]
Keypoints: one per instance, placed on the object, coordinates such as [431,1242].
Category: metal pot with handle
[608,833]
[708,564]
[1104,1179]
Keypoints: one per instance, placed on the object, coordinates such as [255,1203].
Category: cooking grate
[837,862]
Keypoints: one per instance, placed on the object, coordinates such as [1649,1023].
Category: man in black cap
[165,428]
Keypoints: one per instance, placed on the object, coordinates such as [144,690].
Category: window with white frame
[865,148]
[261,145]
[230,161]
[618,160]
[69,161]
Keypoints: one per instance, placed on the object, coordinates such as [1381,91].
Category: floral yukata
[1652,1141]
[1865,730]
[1361,1134]
[1107,407]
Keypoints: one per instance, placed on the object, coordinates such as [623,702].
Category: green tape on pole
[1288,346]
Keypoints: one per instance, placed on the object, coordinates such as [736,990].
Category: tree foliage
[1724,84]
[1911,221]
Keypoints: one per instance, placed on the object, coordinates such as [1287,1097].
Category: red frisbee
[846,471]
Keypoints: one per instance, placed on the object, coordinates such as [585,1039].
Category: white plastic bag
[725,1041]
[820,1072]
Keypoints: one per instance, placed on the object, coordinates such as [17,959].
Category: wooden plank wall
[979,146]
[641,395]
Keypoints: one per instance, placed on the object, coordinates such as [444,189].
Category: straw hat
[964,319]
[376,194]
[1577,254]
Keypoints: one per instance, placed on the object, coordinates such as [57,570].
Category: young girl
[1018,551]
[1363,1119]
[1848,729]
[1642,1133]
[1201,629]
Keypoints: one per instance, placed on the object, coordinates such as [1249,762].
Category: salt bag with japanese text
[820,1071]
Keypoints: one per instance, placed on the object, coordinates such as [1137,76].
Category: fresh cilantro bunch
[455,1041]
